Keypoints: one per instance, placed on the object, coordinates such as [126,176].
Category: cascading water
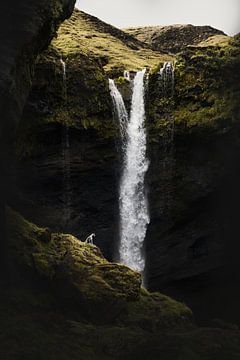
[64,72]
[119,108]
[166,94]
[167,84]
[66,156]
[134,215]
[167,78]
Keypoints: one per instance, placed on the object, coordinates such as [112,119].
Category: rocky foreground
[66,301]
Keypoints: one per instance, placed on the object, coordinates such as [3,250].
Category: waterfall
[167,84]
[64,71]
[134,216]
[167,79]
[66,156]
[119,108]
[168,156]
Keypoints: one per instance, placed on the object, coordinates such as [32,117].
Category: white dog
[90,238]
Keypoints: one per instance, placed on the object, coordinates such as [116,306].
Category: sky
[221,14]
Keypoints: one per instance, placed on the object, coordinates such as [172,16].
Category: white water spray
[119,108]
[64,71]
[134,216]
[167,78]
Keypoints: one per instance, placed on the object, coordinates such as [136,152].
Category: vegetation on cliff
[173,39]
[115,49]
[84,43]
[48,312]
[206,95]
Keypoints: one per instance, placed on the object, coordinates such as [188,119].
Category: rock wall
[26,28]
[67,151]
[193,177]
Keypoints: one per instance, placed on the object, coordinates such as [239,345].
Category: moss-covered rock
[40,321]
[81,277]
[78,271]
[206,94]
[207,89]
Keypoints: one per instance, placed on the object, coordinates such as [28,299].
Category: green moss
[85,34]
[38,323]
[207,93]
[155,311]
[72,263]
[207,88]
[155,70]
[81,275]
[122,80]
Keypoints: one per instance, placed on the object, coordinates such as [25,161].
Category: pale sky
[221,14]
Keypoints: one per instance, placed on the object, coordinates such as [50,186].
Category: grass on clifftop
[216,40]
[86,34]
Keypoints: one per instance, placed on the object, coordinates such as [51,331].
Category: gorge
[182,179]
[158,183]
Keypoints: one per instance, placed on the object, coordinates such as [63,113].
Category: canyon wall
[193,148]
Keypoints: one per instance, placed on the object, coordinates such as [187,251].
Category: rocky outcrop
[78,272]
[175,38]
[66,299]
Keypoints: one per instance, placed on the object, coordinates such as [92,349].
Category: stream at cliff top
[133,204]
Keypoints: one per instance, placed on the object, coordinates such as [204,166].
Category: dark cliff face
[193,231]
[26,29]
[67,151]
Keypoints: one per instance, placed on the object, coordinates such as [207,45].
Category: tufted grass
[85,34]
